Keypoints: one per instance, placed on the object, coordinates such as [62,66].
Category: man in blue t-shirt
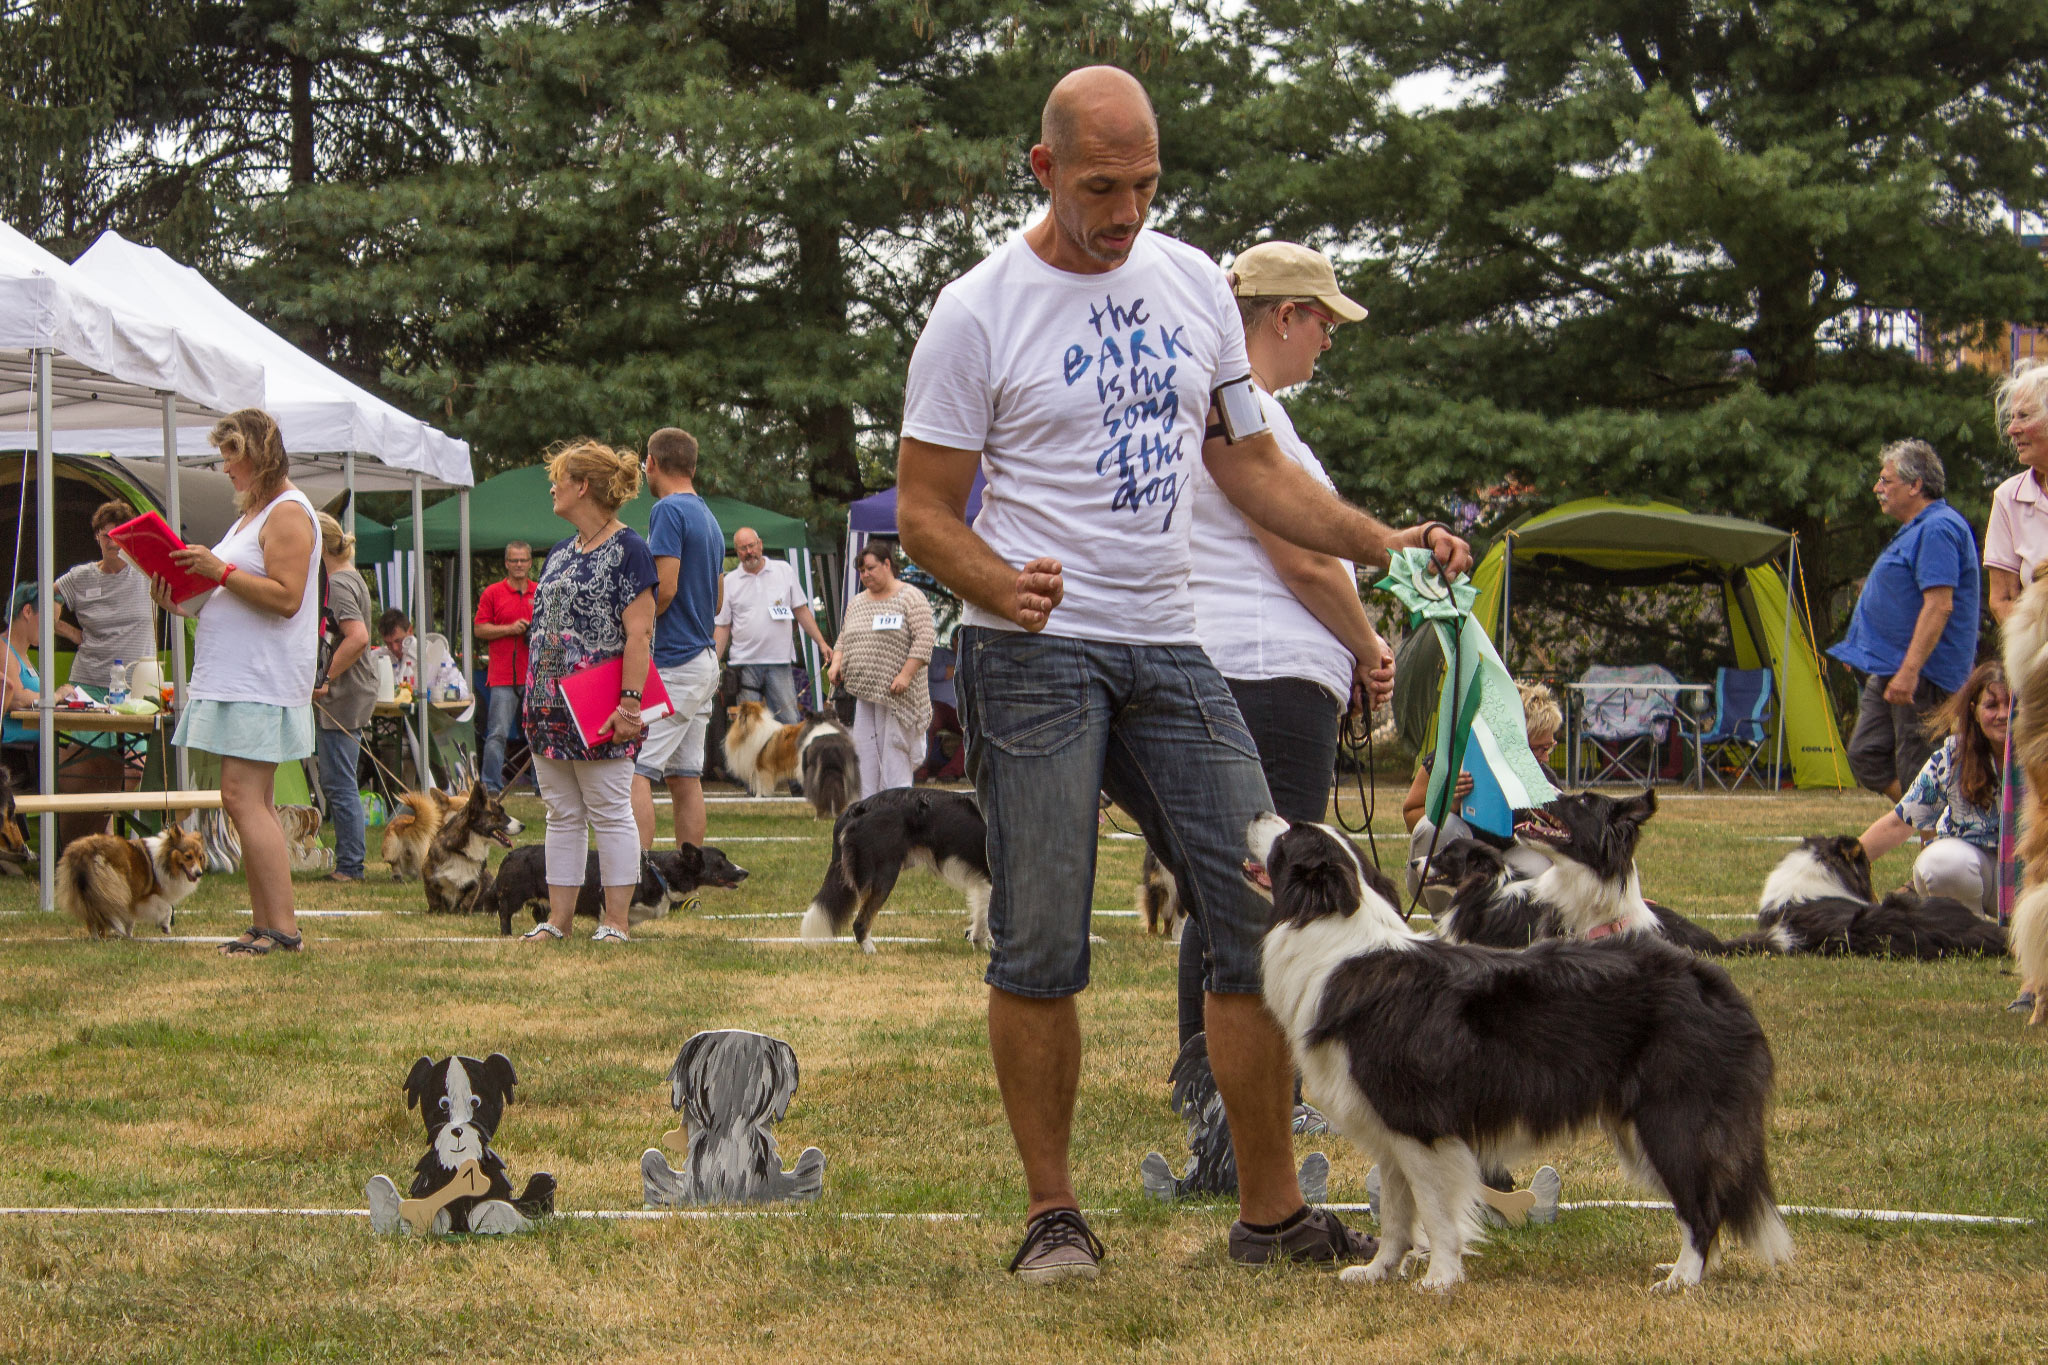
[1914,634]
[689,554]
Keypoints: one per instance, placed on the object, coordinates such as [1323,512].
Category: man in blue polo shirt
[689,553]
[1915,629]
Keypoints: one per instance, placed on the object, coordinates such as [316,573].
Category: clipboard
[149,541]
[592,694]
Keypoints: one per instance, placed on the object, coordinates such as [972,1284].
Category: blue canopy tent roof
[875,515]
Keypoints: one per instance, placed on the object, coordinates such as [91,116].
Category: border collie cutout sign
[731,1087]
[460,1184]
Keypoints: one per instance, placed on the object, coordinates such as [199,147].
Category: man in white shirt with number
[763,599]
[1078,367]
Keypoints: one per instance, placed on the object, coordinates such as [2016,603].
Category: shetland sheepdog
[2025,640]
[301,825]
[410,832]
[110,884]
[1159,907]
[764,755]
[1434,1057]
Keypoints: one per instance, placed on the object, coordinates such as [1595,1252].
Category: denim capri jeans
[1051,720]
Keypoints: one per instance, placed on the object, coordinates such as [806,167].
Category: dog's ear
[499,1073]
[1316,888]
[691,859]
[417,1080]
[1638,809]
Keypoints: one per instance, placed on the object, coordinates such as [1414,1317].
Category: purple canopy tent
[875,515]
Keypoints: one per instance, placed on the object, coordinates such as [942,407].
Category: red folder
[592,695]
[149,540]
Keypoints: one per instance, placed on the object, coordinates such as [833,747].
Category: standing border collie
[1590,890]
[1433,1057]
[872,844]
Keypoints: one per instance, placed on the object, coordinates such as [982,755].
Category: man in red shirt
[502,615]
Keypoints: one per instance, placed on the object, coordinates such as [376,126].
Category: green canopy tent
[1606,541]
[515,506]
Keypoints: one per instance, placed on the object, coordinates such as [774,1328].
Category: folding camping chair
[1623,721]
[1744,732]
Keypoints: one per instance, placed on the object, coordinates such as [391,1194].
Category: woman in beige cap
[1282,624]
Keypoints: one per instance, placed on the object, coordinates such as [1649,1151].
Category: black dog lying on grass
[667,877]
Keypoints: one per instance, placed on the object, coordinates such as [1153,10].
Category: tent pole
[348,479]
[180,761]
[800,560]
[462,594]
[1785,665]
[422,688]
[46,631]
[1507,589]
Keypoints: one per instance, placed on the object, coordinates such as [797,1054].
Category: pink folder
[149,540]
[593,694]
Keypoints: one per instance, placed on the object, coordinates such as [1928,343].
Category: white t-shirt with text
[1251,624]
[1086,396]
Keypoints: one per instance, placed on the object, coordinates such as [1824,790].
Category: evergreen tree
[1643,250]
[729,216]
[165,118]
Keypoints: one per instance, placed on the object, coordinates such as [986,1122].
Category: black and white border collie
[1818,900]
[1434,1057]
[1590,890]
[898,828]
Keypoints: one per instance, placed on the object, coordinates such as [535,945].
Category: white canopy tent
[338,433]
[72,358]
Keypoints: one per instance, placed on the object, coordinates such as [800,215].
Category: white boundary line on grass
[717,1215]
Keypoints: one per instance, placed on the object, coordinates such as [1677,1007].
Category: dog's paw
[383,1199]
[867,945]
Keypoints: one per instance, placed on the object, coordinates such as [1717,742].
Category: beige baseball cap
[1292,271]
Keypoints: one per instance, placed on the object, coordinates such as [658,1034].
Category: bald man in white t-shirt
[1077,367]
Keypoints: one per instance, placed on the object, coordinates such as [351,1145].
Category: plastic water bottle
[448,681]
[117,684]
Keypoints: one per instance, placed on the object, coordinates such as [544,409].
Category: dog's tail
[89,889]
[831,794]
[2030,945]
[1761,1228]
[1753,944]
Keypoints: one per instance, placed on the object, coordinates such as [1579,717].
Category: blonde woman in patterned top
[884,646]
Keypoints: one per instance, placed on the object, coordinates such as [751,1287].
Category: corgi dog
[410,831]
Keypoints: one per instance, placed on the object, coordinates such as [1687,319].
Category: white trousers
[888,750]
[1959,868]
[583,798]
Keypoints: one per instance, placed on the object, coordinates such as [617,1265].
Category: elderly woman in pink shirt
[2016,538]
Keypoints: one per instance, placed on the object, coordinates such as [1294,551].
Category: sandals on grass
[606,934]
[541,933]
[256,942]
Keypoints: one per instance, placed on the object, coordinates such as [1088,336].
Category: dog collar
[1602,931]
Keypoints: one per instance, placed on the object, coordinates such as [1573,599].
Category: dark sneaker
[1058,1245]
[1319,1239]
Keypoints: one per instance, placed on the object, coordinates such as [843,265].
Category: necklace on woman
[581,548]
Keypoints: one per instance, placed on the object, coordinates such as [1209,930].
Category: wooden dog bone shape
[468,1180]
[677,1139]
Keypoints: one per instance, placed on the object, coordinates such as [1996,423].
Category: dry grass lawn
[158,1075]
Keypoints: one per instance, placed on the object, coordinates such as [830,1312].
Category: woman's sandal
[541,933]
[261,942]
[606,934]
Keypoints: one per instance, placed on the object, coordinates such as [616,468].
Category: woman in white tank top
[250,698]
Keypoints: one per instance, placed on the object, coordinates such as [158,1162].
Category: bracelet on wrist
[225,571]
[626,692]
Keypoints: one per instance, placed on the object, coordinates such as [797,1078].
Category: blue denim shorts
[1052,720]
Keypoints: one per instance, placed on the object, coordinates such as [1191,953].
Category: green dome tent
[1606,541]
[515,506]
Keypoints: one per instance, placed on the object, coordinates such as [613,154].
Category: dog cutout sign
[460,1184]
[731,1087]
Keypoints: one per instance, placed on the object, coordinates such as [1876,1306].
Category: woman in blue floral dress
[594,602]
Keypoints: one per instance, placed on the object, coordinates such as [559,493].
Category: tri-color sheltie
[1434,1057]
